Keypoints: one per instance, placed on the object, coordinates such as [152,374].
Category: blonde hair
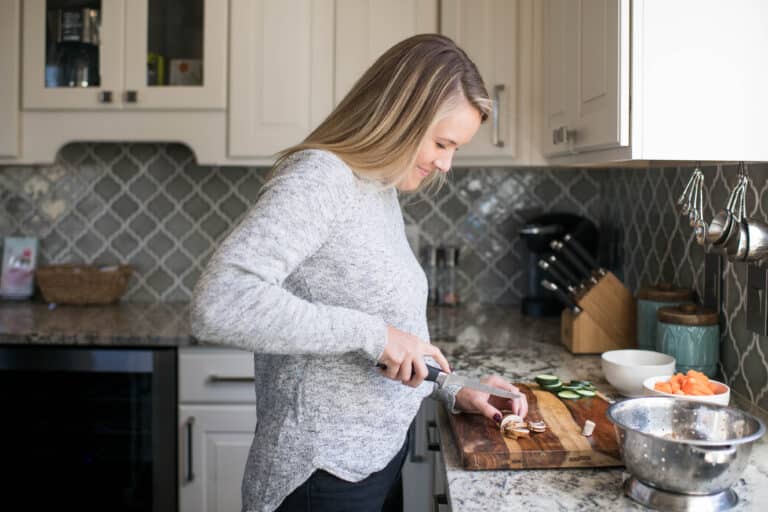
[379,125]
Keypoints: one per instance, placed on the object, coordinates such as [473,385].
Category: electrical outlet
[713,281]
[757,299]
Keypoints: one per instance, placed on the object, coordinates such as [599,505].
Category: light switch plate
[713,282]
[757,299]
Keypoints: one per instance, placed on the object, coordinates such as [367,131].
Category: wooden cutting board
[482,446]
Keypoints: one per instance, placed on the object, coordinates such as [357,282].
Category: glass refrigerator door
[72,54]
[176,54]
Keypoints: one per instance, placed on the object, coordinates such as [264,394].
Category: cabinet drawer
[216,375]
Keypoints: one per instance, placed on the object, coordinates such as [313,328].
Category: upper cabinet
[367,28]
[124,54]
[500,38]
[10,17]
[280,74]
[629,81]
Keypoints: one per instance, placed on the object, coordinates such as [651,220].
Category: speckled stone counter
[479,341]
[125,324]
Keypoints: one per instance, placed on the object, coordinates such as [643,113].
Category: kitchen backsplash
[152,206]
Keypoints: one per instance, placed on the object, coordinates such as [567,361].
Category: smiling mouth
[423,172]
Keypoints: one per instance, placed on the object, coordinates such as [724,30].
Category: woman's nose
[443,165]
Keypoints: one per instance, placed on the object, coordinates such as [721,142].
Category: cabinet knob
[131,96]
[563,134]
[105,96]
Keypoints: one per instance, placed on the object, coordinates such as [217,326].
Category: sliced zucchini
[585,392]
[582,383]
[568,394]
[571,387]
[545,379]
[554,388]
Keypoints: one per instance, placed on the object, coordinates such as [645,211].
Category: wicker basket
[83,284]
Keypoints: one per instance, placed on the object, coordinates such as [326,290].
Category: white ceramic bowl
[721,398]
[626,369]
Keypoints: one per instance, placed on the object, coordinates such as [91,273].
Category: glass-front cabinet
[124,54]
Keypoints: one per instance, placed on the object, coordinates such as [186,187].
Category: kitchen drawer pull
[189,474]
[230,378]
[105,96]
[496,136]
[131,96]
[433,445]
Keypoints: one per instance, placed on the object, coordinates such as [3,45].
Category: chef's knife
[564,297]
[574,244]
[559,278]
[443,379]
[565,252]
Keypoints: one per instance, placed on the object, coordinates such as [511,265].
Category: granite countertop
[479,341]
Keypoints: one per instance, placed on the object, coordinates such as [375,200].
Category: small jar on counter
[448,258]
[649,300]
[691,334]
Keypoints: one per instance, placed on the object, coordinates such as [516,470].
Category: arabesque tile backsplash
[152,206]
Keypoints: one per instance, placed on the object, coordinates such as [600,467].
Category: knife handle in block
[432,371]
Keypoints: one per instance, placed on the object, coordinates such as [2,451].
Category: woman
[318,280]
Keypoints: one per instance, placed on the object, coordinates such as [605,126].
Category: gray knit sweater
[308,281]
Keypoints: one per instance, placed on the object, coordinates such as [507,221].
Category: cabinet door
[601,115]
[367,28]
[558,32]
[72,58]
[488,31]
[175,54]
[10,19]
[281,73]
[214,441]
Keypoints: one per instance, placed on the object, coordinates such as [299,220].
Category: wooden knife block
[607,321]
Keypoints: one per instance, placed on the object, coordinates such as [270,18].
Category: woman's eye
[441,146]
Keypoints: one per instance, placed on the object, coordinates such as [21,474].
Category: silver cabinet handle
[496,136]
[230,378]
[433,444]
[189,474]
[438,499]
[563,134]
[105,96]
[131,96]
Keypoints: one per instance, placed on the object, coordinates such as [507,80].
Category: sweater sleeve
[240,300]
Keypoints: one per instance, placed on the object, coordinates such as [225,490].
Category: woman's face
[441,143]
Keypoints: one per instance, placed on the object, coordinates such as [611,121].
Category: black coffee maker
[538,232]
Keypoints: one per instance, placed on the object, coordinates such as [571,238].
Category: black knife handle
[574,244]
[563,268]
[565,251]
[432,371]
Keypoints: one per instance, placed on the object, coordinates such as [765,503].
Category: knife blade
[443,379]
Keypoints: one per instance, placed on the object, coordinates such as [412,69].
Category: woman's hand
[404,357]
[473,401]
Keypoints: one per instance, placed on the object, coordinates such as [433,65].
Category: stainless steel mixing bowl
[684,446]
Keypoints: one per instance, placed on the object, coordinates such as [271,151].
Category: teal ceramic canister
[649,300]
[691,334]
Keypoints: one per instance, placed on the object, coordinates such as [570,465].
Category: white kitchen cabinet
[365,29]
[217,419]
[281,73]
[120,77]
[10,21]
[633,82]
[500,37]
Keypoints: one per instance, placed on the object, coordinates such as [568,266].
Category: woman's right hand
[404,357]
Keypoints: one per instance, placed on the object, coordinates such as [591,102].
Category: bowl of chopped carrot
[691,385]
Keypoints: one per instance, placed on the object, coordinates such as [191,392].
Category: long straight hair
[379,125]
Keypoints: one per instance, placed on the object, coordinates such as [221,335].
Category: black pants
[379,492]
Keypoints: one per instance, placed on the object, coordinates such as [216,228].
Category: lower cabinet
[215,440]
[216,422]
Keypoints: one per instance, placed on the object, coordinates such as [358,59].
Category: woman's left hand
[473,401]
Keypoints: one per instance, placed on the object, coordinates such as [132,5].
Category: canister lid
[687,314]
[665,292]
